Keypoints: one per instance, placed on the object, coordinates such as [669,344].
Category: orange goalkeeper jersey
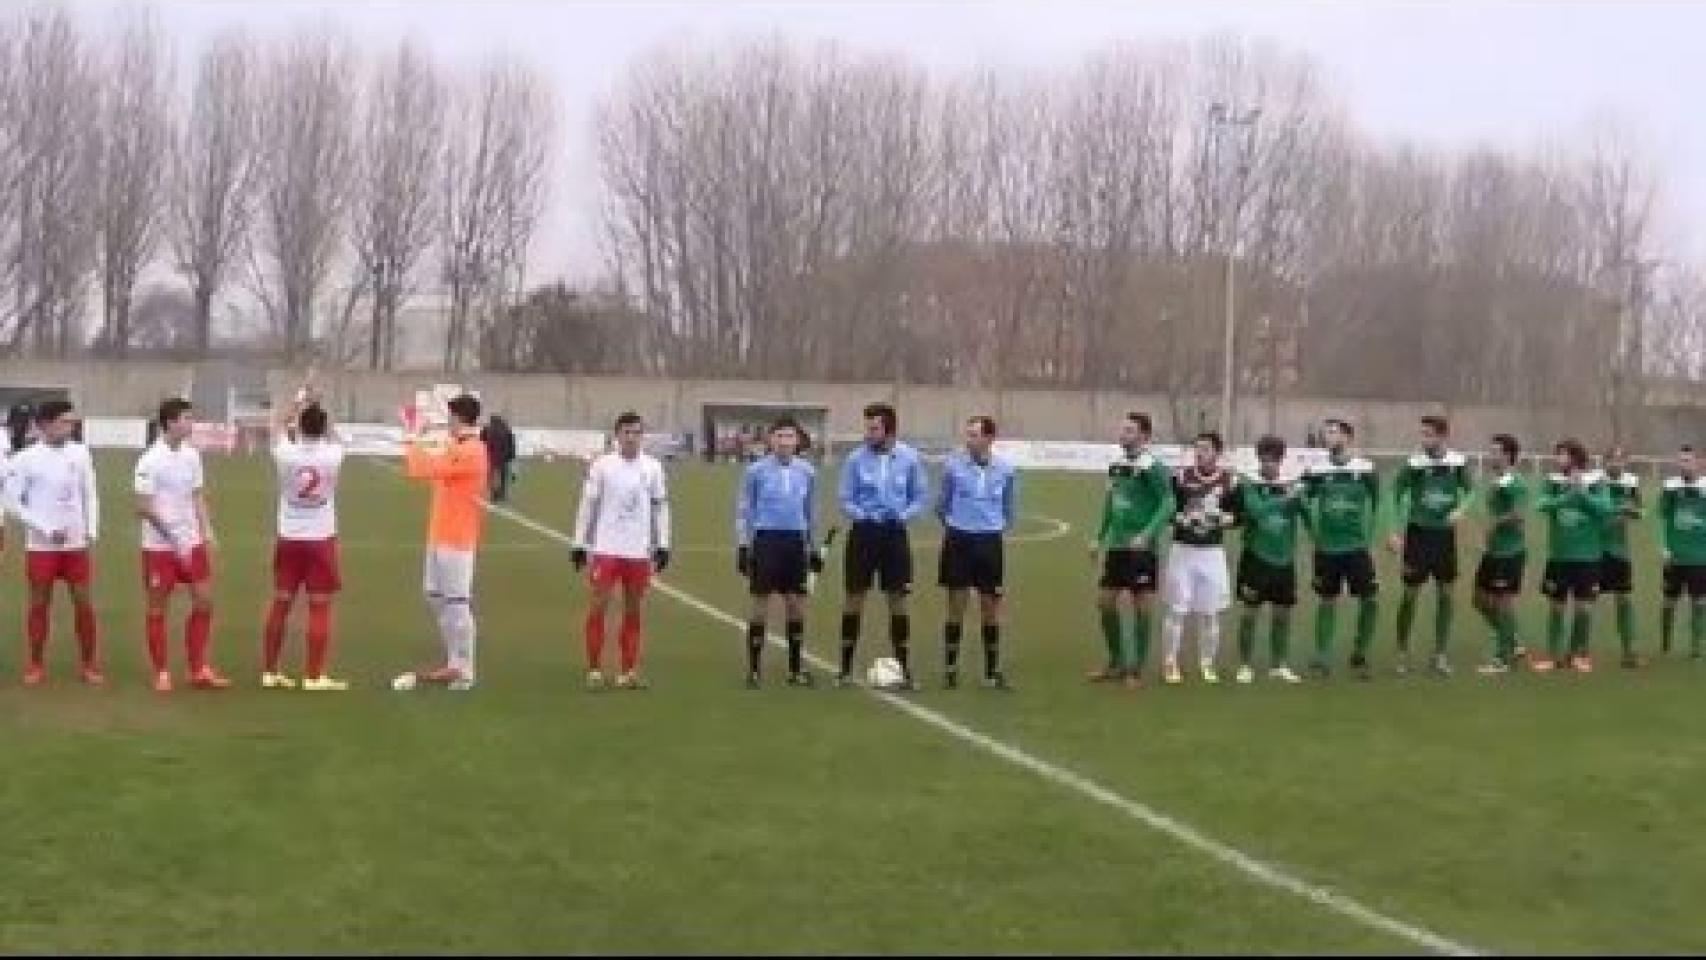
[458,476]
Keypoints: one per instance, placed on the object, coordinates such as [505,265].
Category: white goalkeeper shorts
[1197,580]
[448,574]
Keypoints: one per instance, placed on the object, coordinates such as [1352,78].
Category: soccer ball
[885,674]
[404,681]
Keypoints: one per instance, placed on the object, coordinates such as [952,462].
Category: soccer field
[1525,813]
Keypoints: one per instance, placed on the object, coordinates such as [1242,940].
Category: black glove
[660,559]
[577,556]
[814,560]
[743,561]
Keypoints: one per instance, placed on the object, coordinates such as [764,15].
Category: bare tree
[134,132]
[306,172]
[395,210]
[53,125]
[492,182]
[213,175]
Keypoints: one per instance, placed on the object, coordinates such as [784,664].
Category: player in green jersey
[1270,510]
[1498,579]
[1575,504]
[1616,572]
[1430,496]
[1342,498]
[1682,526]
[1137,506]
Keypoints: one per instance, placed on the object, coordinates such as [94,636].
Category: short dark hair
[171,410]
[885,413]
[1507,445]
[51,410]
[985,425]
[785,423]
[1213,440]
[629,418]
[312,421]
[1344,425]
[1574,451]
[1270,447]
[1145,425]
[1437,424]
[466,408]
[1685,448]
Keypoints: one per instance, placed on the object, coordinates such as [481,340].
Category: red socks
[37,632]
[630,641]
[272,639]
[157,640]
[595,639]
[195,638]
[319,637]
[88,643]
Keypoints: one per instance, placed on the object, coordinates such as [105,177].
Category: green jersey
[1507,495]
[1429,489]
[1682,517]
[1139,501]
[1270,514]
[1625,492]
[1575,510]
[1343,503]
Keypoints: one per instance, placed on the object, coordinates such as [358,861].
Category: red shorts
[43,567]
[310,565]
[634,575]
[163,570]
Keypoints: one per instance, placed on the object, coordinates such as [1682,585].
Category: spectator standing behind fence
[500,452]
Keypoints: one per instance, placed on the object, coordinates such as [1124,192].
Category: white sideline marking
[1258,870]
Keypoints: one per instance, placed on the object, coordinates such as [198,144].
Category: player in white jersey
[305,557]
[623,523]
[176,529]
[50,486]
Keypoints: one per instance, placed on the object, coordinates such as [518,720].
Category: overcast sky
[1514,73]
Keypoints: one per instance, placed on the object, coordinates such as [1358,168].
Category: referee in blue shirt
[773,526]
[977,506]
[883,486]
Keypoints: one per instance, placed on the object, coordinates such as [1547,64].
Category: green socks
[1279,642]
[1626,623]
[1579,633]
[1555,632]
[1667,625]
[1406,618]
[1697,628]
[1111,637]
[1326,624]
[1137,654]
[1247,635]
[1368,610]
[1444,609]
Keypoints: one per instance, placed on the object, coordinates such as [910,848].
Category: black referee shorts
[972,561]
[878,553]
[779,563]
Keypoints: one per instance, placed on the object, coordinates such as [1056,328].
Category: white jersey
[53,490]
[172,478]
[308,488]
[624,509]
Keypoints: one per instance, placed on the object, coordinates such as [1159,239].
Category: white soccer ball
[404,681]
[885,674]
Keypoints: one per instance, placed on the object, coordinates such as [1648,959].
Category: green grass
[1530,814]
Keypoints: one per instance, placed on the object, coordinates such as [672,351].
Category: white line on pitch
[1258,870]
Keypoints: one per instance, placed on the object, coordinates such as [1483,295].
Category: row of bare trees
[291,174]
[779,210]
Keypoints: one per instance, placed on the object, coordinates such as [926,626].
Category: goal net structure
[736,430]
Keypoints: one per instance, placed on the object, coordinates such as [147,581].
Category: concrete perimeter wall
[132,389]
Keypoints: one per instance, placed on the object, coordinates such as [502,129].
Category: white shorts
[1197,580]
[448,574]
